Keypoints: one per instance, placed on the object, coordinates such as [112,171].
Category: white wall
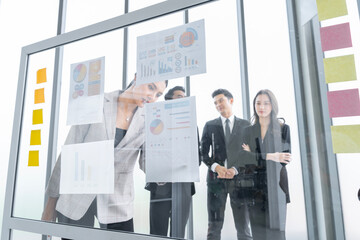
[21,23]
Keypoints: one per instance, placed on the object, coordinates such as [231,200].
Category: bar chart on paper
[87,168]
[147,71]
[81,172]
[164,67]
[191,62]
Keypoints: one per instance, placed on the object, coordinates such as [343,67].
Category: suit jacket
[272,143]
[166,189]
[111,208]
[214,130]
[269,171]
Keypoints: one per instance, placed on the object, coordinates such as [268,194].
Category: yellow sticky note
[35,138]
[346,139]
[331,8]
[340,69]
[33,159]
[41,76]
[37,116]
[39,96]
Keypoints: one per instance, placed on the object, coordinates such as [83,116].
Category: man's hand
[221,171]
[230,173]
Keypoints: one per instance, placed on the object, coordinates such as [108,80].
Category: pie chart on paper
[156,127]
[79,73]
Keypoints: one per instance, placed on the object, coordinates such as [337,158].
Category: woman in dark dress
[267,145]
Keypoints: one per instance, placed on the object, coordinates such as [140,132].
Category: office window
[223,71]
[32,160]
[142,196]
[269,67]
[83,13]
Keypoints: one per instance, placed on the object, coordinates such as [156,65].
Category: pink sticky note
[344,103]
[335,37]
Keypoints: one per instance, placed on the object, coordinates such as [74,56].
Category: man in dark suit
[223,136]
[161,202]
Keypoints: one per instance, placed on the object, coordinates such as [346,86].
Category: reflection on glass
[124,124]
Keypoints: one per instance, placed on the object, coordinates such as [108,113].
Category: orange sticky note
[37,116]
[33,159]
[39,96]
[41,76]
[35,138]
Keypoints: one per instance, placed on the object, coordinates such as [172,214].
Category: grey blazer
[111,208]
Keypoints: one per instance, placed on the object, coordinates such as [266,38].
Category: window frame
[119,22]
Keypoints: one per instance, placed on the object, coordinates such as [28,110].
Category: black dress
[270,193]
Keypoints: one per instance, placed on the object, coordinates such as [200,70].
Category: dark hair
[169,95]
[130,84]
[275,122]
[222,91]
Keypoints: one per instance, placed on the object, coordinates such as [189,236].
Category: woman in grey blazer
[123,122]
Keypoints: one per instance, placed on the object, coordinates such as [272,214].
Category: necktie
[227,130]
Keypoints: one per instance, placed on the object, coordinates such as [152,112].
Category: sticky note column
[37,118]
[343,103]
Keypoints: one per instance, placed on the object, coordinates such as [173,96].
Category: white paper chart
[87,168]
[172,53]
[86,94]
[171,149]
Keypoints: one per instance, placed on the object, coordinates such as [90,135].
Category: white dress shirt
[231,125]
